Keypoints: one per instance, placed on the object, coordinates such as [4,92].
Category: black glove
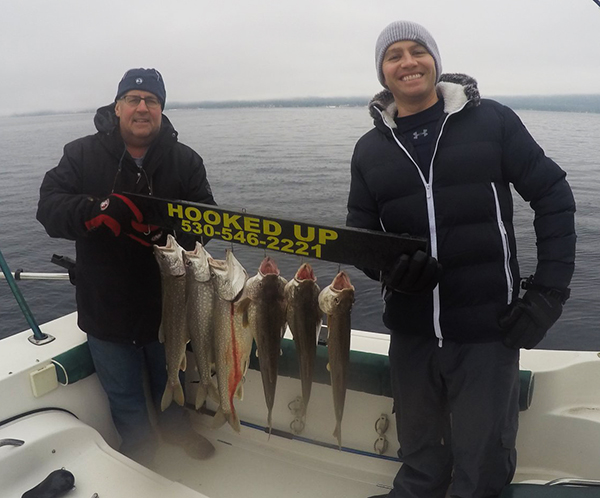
[528,319]
[116,212]
[147,235]
[414,274]
[120,214]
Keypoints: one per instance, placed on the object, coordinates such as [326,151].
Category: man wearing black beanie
[118,284]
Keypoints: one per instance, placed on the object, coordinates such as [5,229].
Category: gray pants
[457,411]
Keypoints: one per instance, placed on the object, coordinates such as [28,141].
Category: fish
[200,295]
[336,302]
[304,318]
[263,312]
[232,343]
[173,331]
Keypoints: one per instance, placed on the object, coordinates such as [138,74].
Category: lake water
[290,163]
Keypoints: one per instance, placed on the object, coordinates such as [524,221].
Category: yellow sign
[290,237]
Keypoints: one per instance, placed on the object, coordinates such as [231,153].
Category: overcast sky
[71,54]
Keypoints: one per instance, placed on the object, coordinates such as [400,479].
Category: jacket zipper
[505,246]
[430,213]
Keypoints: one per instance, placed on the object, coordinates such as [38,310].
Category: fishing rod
[38,338]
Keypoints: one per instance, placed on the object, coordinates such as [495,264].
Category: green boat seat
[368,372]
[74,364]
[544,491]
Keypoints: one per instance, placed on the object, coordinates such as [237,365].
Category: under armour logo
[416,134]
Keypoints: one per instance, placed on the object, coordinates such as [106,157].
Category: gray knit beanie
[406,30]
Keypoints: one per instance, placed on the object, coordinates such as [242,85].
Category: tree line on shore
[557,103]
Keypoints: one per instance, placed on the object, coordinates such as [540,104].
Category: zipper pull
[428,190]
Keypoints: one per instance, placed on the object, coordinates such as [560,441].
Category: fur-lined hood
[456,89]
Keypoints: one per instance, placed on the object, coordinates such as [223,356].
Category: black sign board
[351,246]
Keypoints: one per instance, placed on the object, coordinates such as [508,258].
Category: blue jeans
[121,369]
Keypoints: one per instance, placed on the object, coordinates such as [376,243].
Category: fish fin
[234,421]
[183,364]
[337,433]
[328,367]
[219,419]
[201,395]
[270,422]
[243,305]
[239,391]
[178,395]
[167,397]
[213,393]
[161,335]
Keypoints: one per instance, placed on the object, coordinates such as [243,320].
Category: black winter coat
[464,208]
[118,287]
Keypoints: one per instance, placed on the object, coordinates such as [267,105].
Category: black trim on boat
[33,412]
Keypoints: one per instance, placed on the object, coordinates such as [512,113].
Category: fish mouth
[268,267]
[341,282]
[305,272]
[219,264]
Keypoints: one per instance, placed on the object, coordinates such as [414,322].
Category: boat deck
[271,467]
[241,464]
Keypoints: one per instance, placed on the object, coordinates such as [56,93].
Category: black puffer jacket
[118,281]
[464,207]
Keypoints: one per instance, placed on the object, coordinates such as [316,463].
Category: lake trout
[263,310]
[173,330]
[336,301]
[200,311]
[304,318]
[232,342]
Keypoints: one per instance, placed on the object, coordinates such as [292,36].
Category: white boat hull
[559,433]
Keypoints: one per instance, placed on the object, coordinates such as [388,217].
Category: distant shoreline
[556,103]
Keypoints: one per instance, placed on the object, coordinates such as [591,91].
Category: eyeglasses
[134,101]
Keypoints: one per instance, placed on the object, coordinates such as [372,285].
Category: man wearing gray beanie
[118,287]
[438,164]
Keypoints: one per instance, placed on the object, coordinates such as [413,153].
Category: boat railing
[38,338]
[21,275]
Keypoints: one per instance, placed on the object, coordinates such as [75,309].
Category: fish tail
[219,419]
[201,395]
[303,409]
[337,433]
[167,398]
[213,393]
[178,395]
[234,421]
[269,422]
